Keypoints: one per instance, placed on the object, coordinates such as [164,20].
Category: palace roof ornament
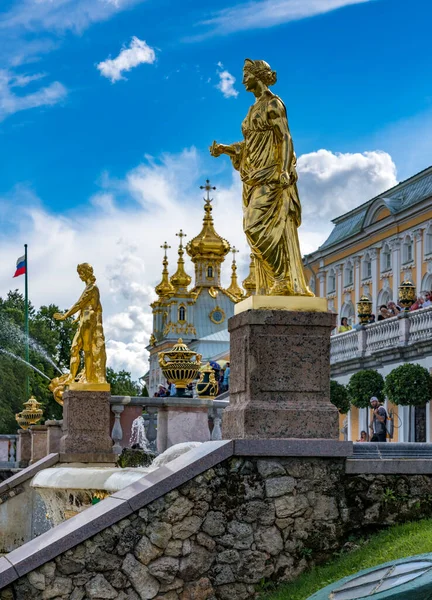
[165,289]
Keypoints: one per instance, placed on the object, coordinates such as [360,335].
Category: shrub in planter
[339,397]
[363,385]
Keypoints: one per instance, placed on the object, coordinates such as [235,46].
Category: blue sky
[103,165]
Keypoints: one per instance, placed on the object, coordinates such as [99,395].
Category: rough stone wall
[223,534]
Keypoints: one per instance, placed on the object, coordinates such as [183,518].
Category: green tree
[409,385]
[363,385]
[339,397]
[122,384]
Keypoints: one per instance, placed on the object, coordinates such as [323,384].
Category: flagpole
[26,317]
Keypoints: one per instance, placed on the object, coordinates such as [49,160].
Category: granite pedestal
[54,434]
[38,442]
[184,420]
[280,376]
[24,448]
[86,426]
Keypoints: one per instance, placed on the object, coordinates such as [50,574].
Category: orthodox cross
[181,235]
[207,187]
[165,247]
[234,252]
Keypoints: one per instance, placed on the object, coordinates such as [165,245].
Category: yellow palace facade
[371,251]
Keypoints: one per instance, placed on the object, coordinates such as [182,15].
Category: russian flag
[21,266]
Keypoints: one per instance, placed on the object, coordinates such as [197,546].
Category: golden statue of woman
[271,205]
[89,339]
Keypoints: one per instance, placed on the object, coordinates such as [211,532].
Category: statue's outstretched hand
[59,316]
[216,149]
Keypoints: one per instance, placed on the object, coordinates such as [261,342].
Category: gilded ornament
[407,295]
[213,292]
[165,289]
[180,365]
[234,289]
[249,284]
[271,205]
[364,309]
[207,386]
[180,280]
[152,341]
[30,415]
[217,315]
[88,339]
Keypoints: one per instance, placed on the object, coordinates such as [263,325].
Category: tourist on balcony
[384,313]
[428,300]
[393,308]
[344,326]
[417,304]
[363,437]
[371,318]
[378,425]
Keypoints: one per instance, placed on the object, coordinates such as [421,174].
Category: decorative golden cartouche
[31,414]
[271,204]
[180,365]
[89,339]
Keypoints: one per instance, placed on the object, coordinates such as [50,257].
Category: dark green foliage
[122,384]
[339,397]
[409,384]
[363,385]
[135,458]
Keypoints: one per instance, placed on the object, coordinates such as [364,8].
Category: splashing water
[24,361]
[138,434]
[13,334]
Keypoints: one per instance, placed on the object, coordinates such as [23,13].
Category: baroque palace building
[371,251]
[199,315]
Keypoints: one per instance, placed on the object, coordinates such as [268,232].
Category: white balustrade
[383,334]
[344,346]
[420,325]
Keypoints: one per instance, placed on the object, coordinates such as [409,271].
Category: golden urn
[180,365]
[364,309]
[31,414]
[207,386]
[407,294]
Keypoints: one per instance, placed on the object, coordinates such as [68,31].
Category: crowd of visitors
[386,311]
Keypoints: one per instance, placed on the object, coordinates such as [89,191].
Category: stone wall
[225,532]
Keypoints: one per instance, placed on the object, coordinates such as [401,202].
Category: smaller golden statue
[89,339]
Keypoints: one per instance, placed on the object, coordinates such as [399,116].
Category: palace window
[331,282]
[182,313]
[367,267]
[386,263]
[428,240]
[348,275]
[209,272]
[407,250]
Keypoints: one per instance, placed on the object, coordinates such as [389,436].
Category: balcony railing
[401,331]
[8,451]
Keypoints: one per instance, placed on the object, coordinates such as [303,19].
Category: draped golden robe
[271,211]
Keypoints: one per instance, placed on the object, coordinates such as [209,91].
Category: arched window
[210,272]
[348,311]
[348,274]
[182,313]
[331,282]
[428,240]
[407,250]
[367,267]
[386,262]
[383,297]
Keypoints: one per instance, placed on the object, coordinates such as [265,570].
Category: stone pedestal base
[38,442]
[186,421]
[86,423]
[24,448]
[280,376]
[54,434]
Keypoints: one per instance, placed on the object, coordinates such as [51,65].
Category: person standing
[378,424]
[226,378]
[344,326]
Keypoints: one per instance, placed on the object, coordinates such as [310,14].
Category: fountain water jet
[24,361]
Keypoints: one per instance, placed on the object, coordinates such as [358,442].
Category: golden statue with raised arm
[89,339]
[271,205]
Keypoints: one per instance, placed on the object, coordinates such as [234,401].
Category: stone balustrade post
[117,431]
[217,424]
[13,448]
[54,433]
[404,328]
[24,448]
[38,435]
[151,431]
[361,338]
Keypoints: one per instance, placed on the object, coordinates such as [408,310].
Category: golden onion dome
[234,289]
[208,244]
[180,280]
[165,288]
[249,284]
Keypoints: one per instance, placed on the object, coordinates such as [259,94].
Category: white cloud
[11,103]
[226,83]
[138,53]
[261,14]
[122,240]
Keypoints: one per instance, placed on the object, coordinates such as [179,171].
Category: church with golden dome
[198,314]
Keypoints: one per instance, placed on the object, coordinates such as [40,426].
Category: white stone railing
[404,330]
[8,450]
